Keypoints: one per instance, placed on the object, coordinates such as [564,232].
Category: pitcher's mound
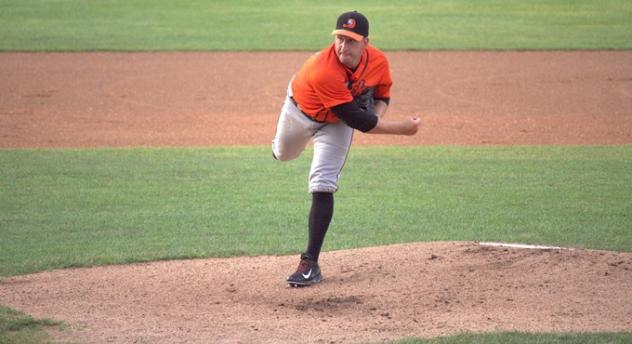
[369,294]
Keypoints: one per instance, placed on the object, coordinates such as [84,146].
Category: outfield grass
[527,338]
[63,208]
[141,25]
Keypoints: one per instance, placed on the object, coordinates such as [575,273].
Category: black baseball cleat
[307,273]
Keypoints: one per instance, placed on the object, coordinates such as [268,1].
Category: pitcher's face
[349,51]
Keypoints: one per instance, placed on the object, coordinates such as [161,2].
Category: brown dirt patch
[371,294]
[201,99]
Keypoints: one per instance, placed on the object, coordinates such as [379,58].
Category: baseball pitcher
[343,87]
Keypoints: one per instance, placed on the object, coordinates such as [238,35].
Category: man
[343,87]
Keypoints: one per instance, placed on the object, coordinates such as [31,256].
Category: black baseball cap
[352,24]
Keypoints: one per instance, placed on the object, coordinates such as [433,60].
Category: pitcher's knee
[284,155]
[281,157]
[323,185]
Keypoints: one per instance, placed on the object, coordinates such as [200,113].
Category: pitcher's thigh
[293,132]
[331,147]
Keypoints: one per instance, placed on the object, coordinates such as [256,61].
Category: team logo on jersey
[357,88]
[350,24]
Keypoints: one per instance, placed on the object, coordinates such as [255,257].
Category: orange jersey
[323,82]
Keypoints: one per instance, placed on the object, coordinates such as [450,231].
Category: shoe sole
[304,284]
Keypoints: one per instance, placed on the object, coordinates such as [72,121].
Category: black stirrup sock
[319,218]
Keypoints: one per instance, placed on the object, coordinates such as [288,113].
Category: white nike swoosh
[309,273]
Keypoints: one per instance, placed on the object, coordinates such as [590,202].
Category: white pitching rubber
[522,246]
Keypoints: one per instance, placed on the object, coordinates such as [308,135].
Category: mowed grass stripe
[63,208]
[150,25]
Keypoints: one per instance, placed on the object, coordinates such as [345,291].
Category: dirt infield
[369,294]
[201,99]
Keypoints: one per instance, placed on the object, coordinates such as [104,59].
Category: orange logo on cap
[351,23]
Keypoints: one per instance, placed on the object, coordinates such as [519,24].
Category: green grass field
[66,208]
[19,328]
[527,338]
[44,25]
[63,207]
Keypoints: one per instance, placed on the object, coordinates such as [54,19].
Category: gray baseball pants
[332,142]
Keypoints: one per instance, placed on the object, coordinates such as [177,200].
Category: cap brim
[348,33]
